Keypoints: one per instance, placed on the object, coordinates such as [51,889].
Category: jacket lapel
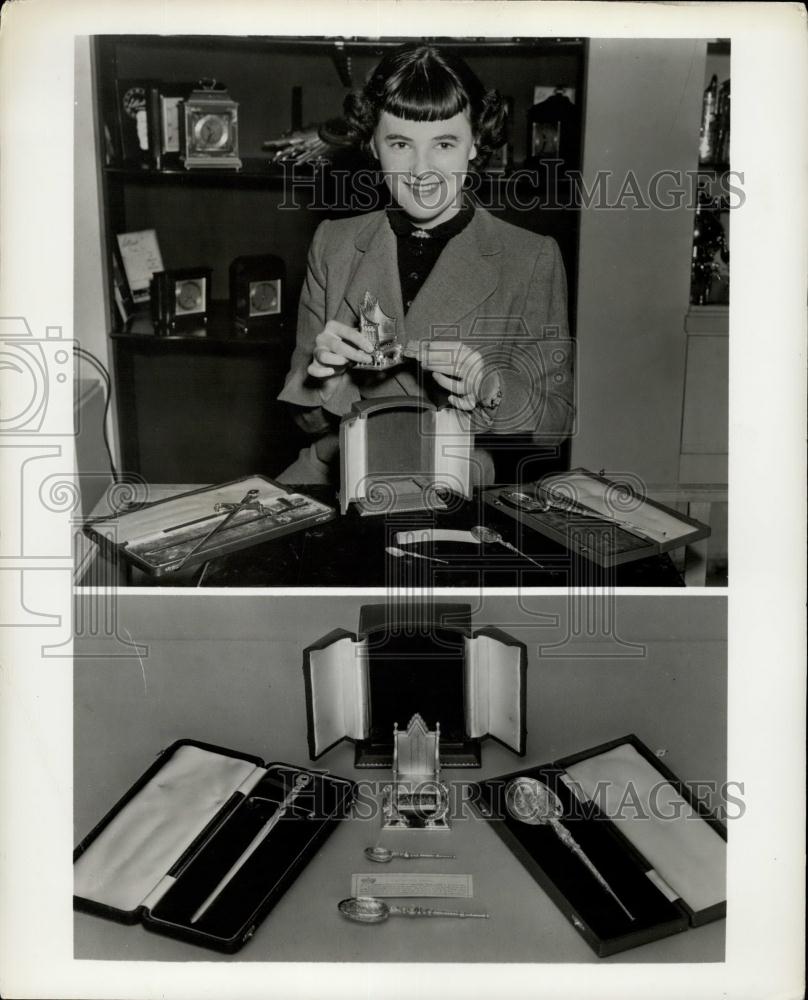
[376,272]
[465,275]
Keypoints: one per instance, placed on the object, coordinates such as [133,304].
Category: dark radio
[257,291]
[180,298]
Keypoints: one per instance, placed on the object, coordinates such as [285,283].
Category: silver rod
[253,846]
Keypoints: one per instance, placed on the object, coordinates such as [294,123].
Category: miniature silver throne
[417,798]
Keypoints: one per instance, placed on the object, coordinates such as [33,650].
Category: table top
[305,926]
[350,551]
[232,676]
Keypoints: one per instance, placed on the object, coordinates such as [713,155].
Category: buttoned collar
[479,232]
[403,226]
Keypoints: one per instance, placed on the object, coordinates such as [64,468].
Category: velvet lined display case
[399,454]
[165,848]
[660,849]
[424,659]
[606,522]
[178,533]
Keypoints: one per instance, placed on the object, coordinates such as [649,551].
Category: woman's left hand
[462,371]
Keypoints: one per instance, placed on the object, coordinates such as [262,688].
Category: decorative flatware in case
[607,522]
[649,859]
[205,843]
[186,530]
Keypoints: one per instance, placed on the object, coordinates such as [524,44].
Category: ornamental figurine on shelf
[715,124]
[380,330]
[723,120]
[708,129]
[416,798]
[710,264]
[316,144]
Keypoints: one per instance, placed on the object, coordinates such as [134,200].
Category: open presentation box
[401,453]
[426,660]
[161,538]
[606,522]
[166,847]
[661,852]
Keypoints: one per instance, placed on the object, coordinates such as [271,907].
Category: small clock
[137,106]
[210,127]
[172,98]
[180,298]
[256,290]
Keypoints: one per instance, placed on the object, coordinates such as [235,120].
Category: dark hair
[424,84]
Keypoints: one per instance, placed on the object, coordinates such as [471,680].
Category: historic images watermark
[546,188]
[607,801]
[42,488]
[35,393]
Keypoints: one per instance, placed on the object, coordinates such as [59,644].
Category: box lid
[400,452]
[404,616]
[683,844]
[120,864]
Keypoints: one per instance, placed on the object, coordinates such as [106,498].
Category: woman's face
[424,164]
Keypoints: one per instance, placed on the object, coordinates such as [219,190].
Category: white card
[417,884]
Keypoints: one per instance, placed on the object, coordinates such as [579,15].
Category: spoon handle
[558,502]
[418,555]
[569,841]
[425,911]
[413,854]
[523,555]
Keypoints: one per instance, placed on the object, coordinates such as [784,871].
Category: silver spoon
[557,501]
[370,910]
[491,537]
[391,550]
[383,855]
[532,802]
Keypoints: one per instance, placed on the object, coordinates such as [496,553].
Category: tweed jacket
[497,288]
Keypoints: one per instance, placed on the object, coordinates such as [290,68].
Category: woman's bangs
[426,98]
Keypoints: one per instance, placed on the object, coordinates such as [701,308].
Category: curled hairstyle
[424,84]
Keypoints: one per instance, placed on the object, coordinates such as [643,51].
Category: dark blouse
[419,249]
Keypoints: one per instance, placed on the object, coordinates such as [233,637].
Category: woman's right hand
[335,346]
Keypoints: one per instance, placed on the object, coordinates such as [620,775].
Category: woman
[485,301]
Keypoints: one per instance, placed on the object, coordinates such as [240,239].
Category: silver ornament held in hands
[380,330]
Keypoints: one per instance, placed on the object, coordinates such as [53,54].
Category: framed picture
[141,258]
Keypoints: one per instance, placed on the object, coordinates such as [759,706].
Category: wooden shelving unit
[207,397]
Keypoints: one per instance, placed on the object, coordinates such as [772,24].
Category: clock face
[190,296]
[265,298]
[212,131]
